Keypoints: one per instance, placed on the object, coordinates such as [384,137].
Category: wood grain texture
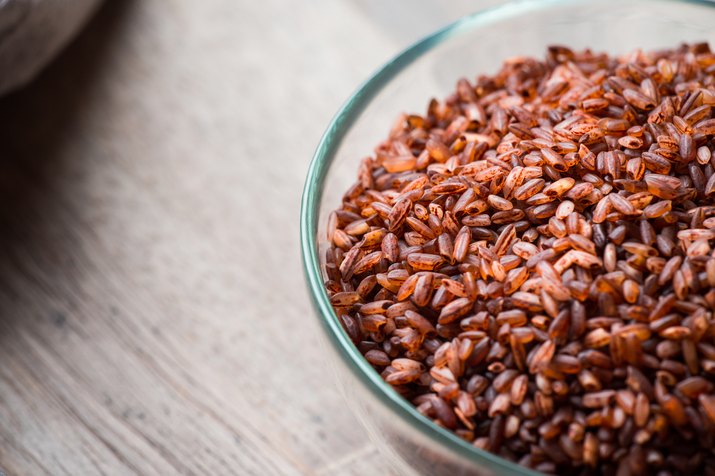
[153,318]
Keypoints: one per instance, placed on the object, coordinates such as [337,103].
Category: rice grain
[531,263]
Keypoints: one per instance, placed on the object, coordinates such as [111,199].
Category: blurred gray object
[32,32]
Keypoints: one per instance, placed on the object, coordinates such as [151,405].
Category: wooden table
[153,316]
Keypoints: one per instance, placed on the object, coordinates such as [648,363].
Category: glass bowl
[474,45]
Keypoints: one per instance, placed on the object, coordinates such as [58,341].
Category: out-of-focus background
[153,316]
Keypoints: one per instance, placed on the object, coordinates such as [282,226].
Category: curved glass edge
[310,201]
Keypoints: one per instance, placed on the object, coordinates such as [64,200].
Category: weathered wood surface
[153,317]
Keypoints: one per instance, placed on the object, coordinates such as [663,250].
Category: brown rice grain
[530,262]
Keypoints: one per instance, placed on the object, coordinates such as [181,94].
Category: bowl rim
[310,202]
